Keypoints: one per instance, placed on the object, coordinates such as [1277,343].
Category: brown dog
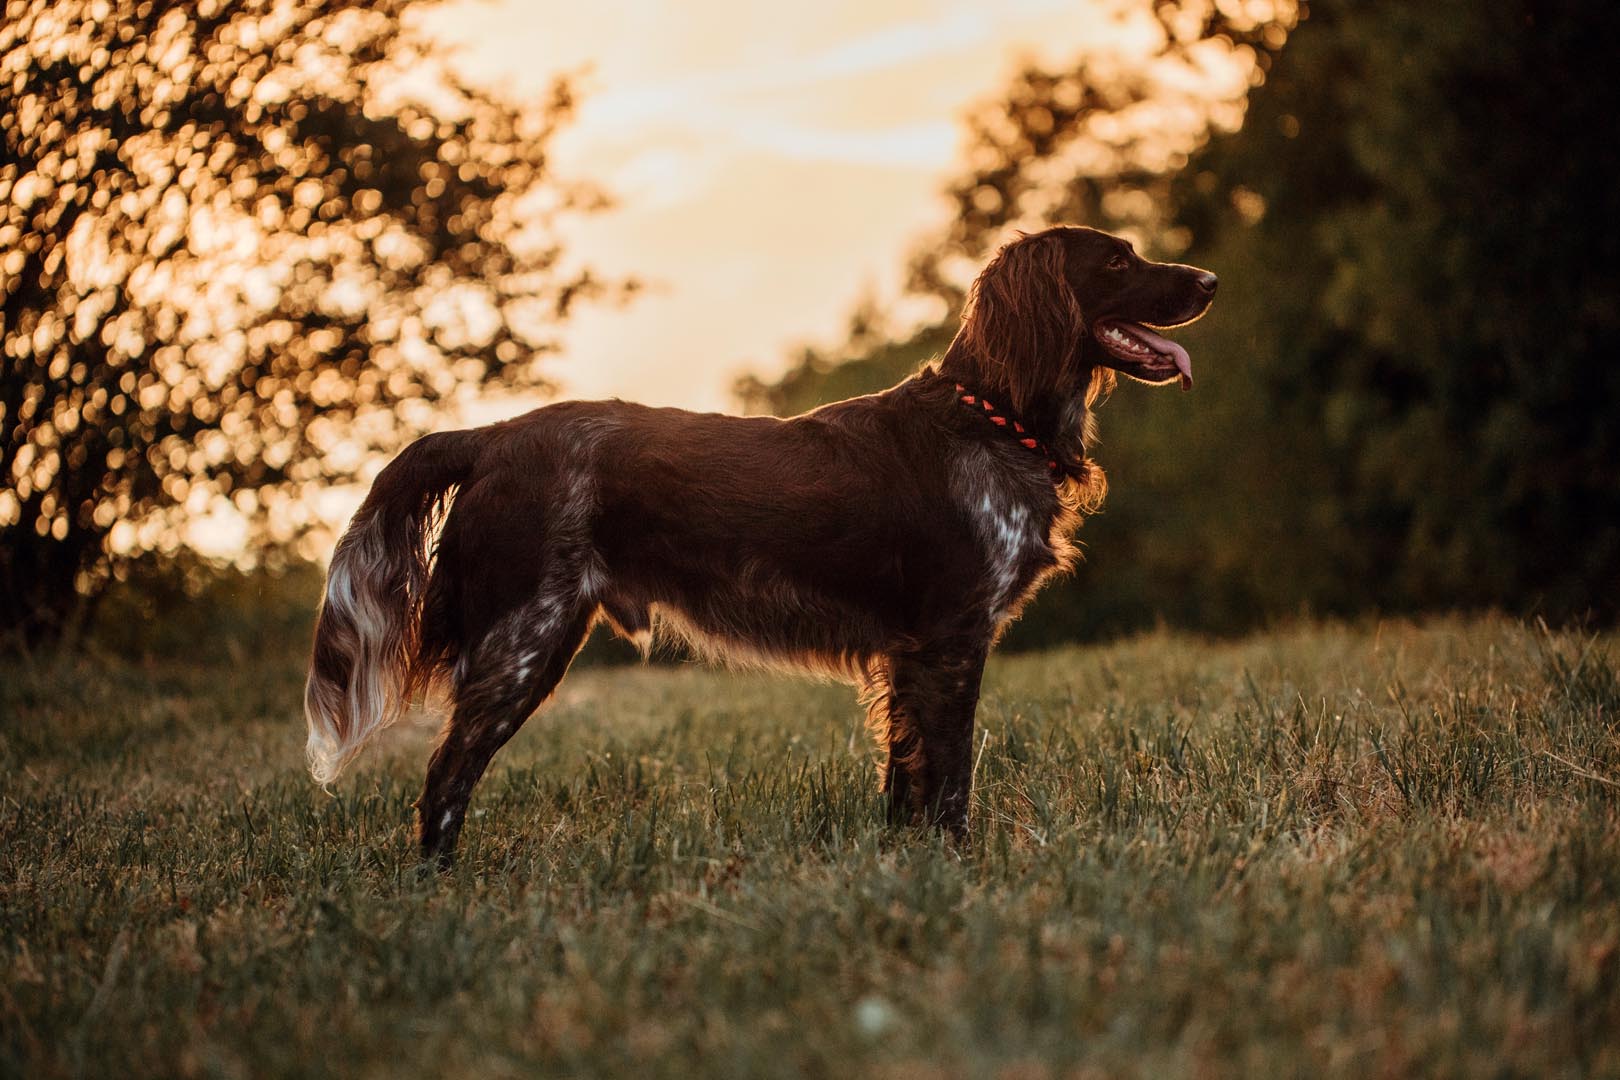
[888,539]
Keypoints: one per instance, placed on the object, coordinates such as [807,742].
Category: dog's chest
[1012,533]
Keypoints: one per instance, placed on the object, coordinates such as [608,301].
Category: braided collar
[1014,430]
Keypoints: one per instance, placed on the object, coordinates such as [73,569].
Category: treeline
[1407,398]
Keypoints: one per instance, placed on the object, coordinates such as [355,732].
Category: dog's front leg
[935,694]
[904,759]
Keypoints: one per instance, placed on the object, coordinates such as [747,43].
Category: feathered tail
[366,639]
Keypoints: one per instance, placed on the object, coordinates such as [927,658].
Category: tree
[1405,399]
[244,246]
[1097,142]
[1429,273]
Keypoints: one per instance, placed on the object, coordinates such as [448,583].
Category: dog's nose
[1207,281]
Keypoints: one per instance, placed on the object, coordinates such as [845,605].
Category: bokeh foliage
[243,246]
[1405,400]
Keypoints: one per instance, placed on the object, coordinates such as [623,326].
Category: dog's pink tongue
[1164,345]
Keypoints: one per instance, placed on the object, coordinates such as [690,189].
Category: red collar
[1012,427]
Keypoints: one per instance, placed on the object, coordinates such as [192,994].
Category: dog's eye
[1118,262]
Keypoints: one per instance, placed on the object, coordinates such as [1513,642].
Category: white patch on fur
[1005,530]
[593,578]
[502,668]
[1008,532]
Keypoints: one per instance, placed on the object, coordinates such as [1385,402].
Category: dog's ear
[1023,323]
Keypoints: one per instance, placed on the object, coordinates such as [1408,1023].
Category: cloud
[920,146]
[727,101]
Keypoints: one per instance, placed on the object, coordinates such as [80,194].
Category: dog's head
[1055,313]
[1126,299]
[1053,305]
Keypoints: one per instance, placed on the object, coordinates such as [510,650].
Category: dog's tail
[363,667]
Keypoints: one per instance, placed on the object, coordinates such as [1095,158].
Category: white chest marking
[1010,537]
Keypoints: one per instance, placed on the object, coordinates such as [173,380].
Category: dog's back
[754,539]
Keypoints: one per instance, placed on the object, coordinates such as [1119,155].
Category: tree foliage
[1404,399]
[242,245]
[1098,143]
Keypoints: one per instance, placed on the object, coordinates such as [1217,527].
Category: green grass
[1327,851]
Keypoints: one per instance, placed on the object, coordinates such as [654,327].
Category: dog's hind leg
[933,697]
[506,676]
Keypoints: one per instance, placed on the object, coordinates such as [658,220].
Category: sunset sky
[772,162]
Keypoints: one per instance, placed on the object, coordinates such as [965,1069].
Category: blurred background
[249,249]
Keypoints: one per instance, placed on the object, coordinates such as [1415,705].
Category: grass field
[1327,851]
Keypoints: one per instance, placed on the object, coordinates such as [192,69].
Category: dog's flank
[887,540]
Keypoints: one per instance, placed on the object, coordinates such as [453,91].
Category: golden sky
[772,162]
